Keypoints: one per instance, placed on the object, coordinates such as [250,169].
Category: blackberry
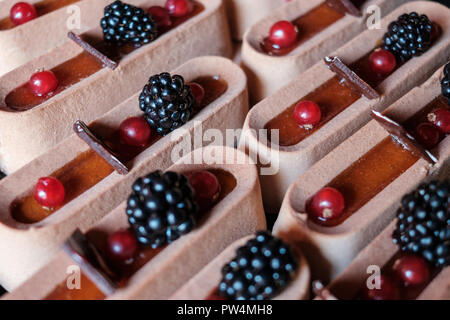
[260,270]
[126,24]
[161,208]
[423,225]
[167,102]
[445,83]
[408,36]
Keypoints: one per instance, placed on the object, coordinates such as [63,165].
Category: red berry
[161,16]
[389,290]
[307,113]
[135,131]
[413,270]
[326,205]
[283,34]
[198,91]
[179,8]
[206,187]
[22,12]
[441,119]
[428,135]
[382,62]
[49,192]
[122,245]
[43,83]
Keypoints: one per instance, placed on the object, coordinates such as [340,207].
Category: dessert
[84,81]
[345,106]
[86,167]
[322,26]
[28,37]
[416,270]
[258,267]
[372,170]
[159,268]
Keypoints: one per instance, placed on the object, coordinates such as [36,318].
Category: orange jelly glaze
[308,25]
[333,97]
[370,174]
[42,7]
[78,68]
[89,291]
[88,168]
[380,166]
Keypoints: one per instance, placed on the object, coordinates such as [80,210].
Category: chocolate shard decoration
[84,133]
[400,135]
[344,6]
[92,51]
[352,79]
[86,255]
[322,292]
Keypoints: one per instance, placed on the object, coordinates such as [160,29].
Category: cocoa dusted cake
[171,225]
[80,72]
[258,267]
[96,165]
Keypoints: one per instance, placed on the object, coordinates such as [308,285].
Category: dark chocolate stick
[352,79]
[400,135]
[322,292]
[91,50]
[82,130]
[86,255]
[344,6]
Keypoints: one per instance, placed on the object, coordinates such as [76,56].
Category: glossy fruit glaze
[88,168]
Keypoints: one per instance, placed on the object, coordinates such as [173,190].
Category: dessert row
[38,109]
[297,35]
[33,28]
[329,214]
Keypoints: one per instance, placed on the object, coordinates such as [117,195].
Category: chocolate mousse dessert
[413,253]
[171,225]
[161,208]
[348,196]
[297,35]
[98,163]
[330,101]
[63,83]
